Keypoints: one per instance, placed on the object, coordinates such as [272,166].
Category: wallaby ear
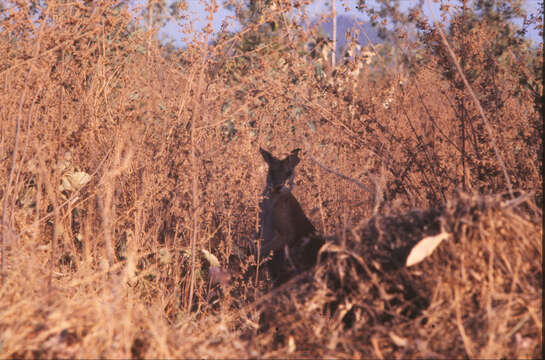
[267,156]
[295,152]
[294,157]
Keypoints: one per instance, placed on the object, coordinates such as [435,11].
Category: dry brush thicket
[131,178]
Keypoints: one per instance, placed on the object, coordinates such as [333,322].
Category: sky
[198,15]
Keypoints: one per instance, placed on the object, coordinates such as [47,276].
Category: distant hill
[350,22]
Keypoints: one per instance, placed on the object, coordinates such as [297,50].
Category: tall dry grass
[123,159]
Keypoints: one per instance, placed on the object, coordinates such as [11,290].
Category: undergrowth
[131,168]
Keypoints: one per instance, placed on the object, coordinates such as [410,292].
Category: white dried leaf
[398,340]
[74,180]
[291,344]
[212,259]
[65,185]
[165,257]
[79,178]
[425,248]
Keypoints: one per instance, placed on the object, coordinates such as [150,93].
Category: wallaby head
[280,171]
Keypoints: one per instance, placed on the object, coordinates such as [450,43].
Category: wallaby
[284,225]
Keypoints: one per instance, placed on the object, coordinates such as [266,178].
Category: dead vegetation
[122,160]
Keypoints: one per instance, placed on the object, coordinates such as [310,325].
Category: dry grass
[169,140]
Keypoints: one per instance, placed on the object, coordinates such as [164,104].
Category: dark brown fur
[285,229]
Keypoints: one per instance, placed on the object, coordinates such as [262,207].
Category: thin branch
[194,168]
[354,181]
[14,159]
[477,103]
[11,175]
[334,35]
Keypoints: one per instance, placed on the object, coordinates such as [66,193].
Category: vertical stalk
[195,201]
[5,224]
[477,104]
[334,35]
[197,102]
[150,25]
